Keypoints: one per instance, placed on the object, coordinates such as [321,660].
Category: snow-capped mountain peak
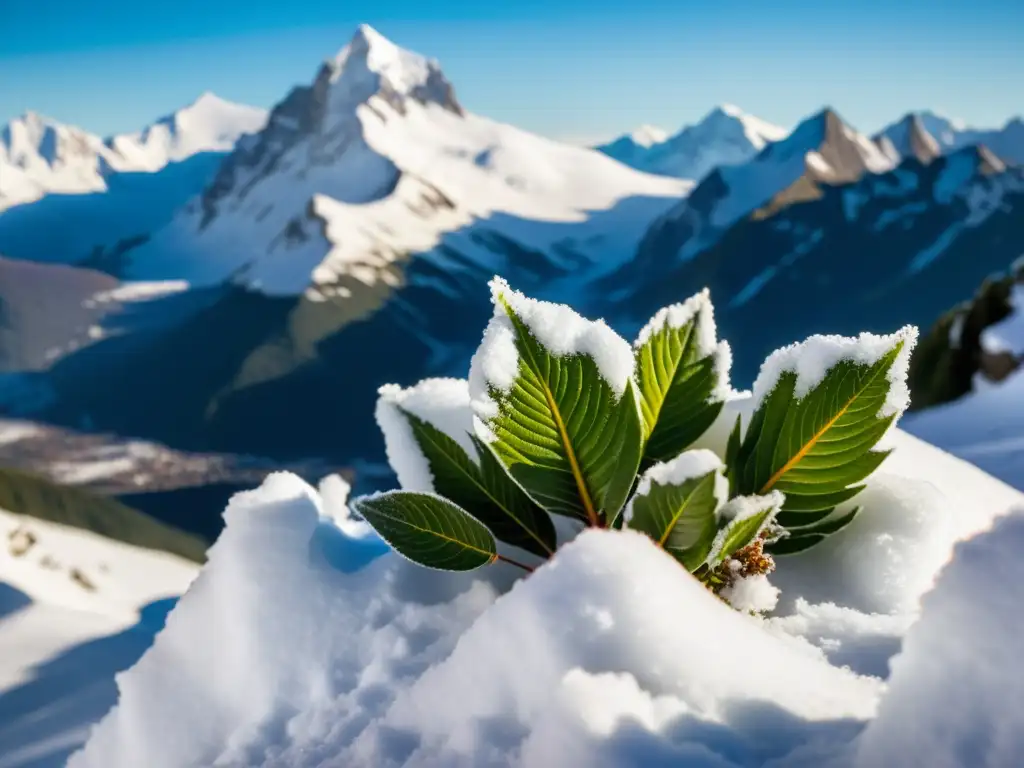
[725,136]
[757,131]
[371,65]
[648,135]
[39,155]
[208,124]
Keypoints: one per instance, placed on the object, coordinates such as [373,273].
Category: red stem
[515,563]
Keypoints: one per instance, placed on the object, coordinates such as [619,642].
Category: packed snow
[956,696]
[303,645]
[812,358]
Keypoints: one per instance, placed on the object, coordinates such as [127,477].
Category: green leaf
[429,530]
[802,539]
[818,447]
[681,374]
[732,449]
[743,520]
[484,490]
[680,516]
[565,435]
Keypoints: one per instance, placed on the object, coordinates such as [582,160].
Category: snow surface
[74,609]
[985,427]
[956,695]
[558,328]
[813,358]
[752,593]
[302,646]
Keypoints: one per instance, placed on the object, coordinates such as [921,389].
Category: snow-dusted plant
[561,417]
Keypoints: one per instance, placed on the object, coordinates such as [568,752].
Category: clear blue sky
[576,69]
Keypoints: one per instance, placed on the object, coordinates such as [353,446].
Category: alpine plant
[561,418]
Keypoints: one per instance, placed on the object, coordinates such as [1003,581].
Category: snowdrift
[306,642]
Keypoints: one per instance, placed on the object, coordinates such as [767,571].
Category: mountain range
[344,239]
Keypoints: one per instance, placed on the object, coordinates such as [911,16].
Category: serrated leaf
[744,518]
[679,518]
[802,539]
[429,530]
[563,433]
[818,447]
[485,491]
[678,378]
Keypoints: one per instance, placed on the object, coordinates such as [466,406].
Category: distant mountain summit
[39,155]
[724,136]
[821,151]
[376,160]
[932,134]
[632,148]
[209,124]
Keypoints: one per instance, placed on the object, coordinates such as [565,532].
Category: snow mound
[303,645]
[956,695]
[275,657]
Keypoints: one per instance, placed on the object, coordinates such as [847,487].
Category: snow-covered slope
[76,569]
[632,147]
[945,135]
[107,195]
[376,160]
[299,652]
[876,253]
[822,151]
[209,124]
[75,608]
[725,136]
[40,156]
[985,427]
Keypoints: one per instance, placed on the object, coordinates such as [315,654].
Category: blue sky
[574,69]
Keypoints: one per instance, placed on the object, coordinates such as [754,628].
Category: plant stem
[515,563]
